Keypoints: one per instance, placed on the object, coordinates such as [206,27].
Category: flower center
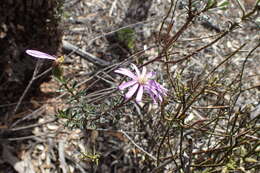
[142,80]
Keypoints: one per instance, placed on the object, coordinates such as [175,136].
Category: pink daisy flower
[141,82]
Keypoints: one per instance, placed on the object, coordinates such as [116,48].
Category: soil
[38,141]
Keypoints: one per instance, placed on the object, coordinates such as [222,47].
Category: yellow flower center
[142,80]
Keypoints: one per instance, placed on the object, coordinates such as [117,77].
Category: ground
[46,144]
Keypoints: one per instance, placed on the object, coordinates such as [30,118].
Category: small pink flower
[38,54]
[141,82]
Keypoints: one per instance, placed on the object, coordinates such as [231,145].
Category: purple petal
[152,96]
[126,72]
[127,84]
[158,87]
[150,74]
[38,54]
[152,90]
[139,95]
[154,100]
[161,89]
[160,97]
[131,91]
[136,70]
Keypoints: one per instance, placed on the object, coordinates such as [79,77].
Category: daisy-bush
[211,121]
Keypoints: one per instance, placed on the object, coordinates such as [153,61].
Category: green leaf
[127,36]
[211,4]
[250,160]
[74,84]
[223,5]
[231,165]
[57,72]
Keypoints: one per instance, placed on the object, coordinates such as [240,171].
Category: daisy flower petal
[152,96]
[126,72]
[150,74]
[125,85]
[39,54]
[160,97]
[139,95]
[136,70]
[144,72]
[131,91]
[152,90]
[160,88]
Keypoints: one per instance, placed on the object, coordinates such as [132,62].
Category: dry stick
[160,167]
[107,69]
[165,134]
[241,6]
[34,77]
[79,165]
[172,40]
[165,49]
[168,31]
[40,102]
[164,21]
[116,131]
[62,156]
[231,28]
[200,49]
[240,76]
[140,148]
[114,66]
[112,8]
[85,55]
[36,70]
[27,137]
[33,125]
[127,26]
[240,81]
[92,58]
[235,101]
[198,38]
[255,9]
[185,108]
[37,111]
[225,60]
[10,158]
